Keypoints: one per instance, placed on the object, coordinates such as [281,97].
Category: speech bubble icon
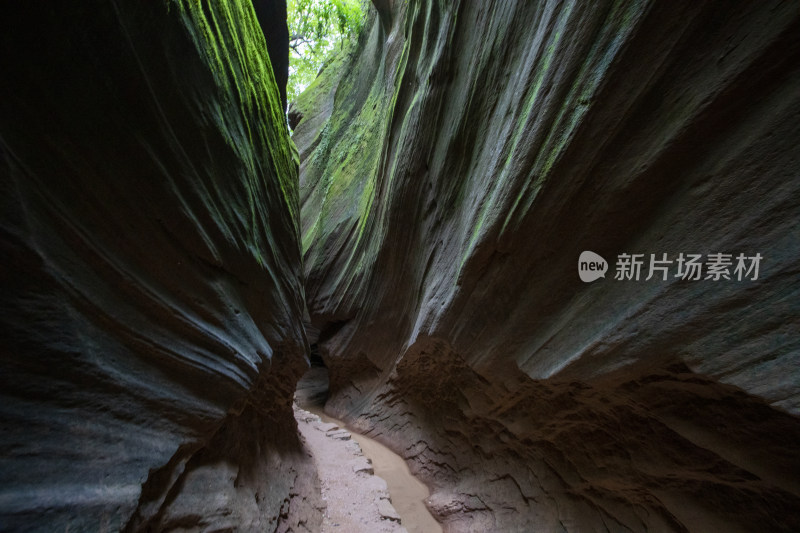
[591,266]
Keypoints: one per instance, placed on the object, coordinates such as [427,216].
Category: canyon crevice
[173,260]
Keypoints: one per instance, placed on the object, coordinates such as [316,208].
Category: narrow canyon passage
[407,493]
[353,498]
[546,251]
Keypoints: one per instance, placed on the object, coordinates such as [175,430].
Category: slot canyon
[406,239]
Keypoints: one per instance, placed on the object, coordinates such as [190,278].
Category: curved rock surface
[151,277]
[456,162]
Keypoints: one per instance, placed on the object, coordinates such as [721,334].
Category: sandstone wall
[456,162]
[151,274]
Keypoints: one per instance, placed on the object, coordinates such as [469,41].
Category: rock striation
[454,164]
[151,276]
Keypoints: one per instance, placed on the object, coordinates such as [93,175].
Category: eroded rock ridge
[456,162]
[151,279]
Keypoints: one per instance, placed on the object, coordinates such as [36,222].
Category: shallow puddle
[408,493]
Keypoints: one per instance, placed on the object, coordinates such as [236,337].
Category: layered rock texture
[457,160]
[151,276]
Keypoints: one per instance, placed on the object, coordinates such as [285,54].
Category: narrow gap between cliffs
[317,30]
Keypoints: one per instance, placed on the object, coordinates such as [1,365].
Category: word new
[591,266]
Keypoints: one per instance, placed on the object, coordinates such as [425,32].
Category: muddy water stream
[408,493]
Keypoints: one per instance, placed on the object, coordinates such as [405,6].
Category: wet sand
[407,492]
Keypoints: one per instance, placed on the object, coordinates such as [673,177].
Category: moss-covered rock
[151,279]
[453,168]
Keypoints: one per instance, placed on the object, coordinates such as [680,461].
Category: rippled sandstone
[151,279]
[456,162]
